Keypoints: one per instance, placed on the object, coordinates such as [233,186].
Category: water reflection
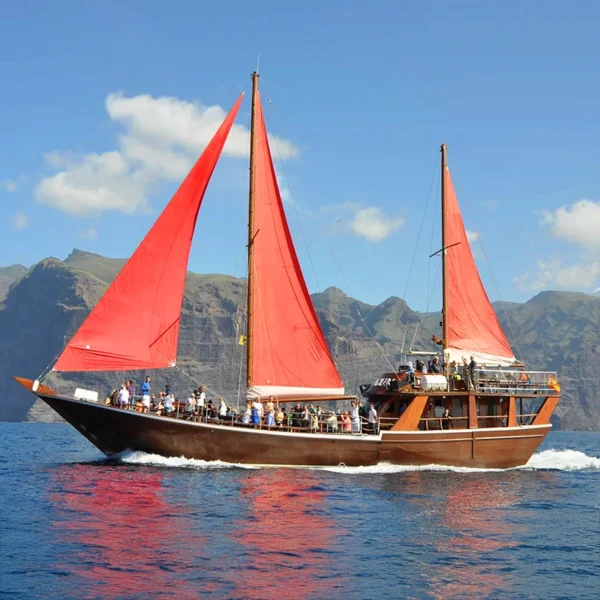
[469,529]
[116,534]
[290,542]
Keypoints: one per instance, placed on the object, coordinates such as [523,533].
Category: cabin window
[457,407]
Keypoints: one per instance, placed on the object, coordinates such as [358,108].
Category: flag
[553,383]
[242,341]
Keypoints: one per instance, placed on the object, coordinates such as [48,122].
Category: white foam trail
[141,458]
[560,460]
[563,460]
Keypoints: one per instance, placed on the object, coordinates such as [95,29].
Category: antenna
[258,63]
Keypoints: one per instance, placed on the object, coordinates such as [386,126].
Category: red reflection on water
[131,545]
[290,542]
[475,512]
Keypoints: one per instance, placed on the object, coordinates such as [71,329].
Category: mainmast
[251,232]
[444,262]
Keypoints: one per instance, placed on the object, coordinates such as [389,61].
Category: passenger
[446,419]
[222,408]
[452,370]
[153,402]
[466,375]
[332,423]
[435,365]
[145,392]
[346,422]
[312,409]
[160,407]
[306,418]
[190,406]
[123,397]
[373,419]
[362,413]
[473,374]
[411,371]
[314,422]
[296,416]
[131,394]
[114,397]
[279,416]
[354,417]
[320,416]
[200,401]
[247,413]
[169,402]
[256,410]
[270,412]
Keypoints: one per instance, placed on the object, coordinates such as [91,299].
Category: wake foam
[555,460]
[563,460]
[141,458]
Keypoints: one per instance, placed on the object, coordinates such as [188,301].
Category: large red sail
[135,325]
[290,356]
[473,328]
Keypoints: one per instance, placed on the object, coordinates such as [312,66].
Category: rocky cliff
[554,330]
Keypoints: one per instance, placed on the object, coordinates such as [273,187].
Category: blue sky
[99,98]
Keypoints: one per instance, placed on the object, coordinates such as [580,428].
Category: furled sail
[290,356]
[135,325]
[473,328]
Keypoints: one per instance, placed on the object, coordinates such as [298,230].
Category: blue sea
[77,525]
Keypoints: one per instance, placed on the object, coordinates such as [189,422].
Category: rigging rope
[412,262]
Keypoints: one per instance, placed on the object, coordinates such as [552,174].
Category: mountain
[552,331]
[8,275]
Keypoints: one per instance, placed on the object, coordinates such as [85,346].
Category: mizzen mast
[251,231]
[444,262]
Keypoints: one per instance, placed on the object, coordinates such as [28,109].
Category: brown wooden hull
[114,430]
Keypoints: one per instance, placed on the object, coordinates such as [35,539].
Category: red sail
[135,325]
[473,327]
[290,356]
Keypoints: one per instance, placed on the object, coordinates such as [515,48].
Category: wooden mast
[444,265]
[251,232]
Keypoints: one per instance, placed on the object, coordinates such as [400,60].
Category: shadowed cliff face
[8,275]
[555,331]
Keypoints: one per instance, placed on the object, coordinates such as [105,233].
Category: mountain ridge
[46,304]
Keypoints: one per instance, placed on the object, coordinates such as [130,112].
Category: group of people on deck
[310,418]
[468,371]
[307,417]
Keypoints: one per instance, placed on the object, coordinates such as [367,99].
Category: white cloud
[94,183]
[373,225]
[578,223]
[20,220]
[89,234]
[473,236]
[596,291]
[554,274]
[162,138]
[9,185]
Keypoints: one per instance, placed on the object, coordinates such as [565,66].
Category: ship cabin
[497,397]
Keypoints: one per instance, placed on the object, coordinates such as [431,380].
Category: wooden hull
[114,430]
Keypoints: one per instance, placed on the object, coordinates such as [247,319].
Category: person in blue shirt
[145,391]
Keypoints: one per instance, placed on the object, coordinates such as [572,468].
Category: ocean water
[77,525]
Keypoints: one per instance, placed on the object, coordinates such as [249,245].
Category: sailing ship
[287,355]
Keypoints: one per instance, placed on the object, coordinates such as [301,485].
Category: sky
[107,104]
